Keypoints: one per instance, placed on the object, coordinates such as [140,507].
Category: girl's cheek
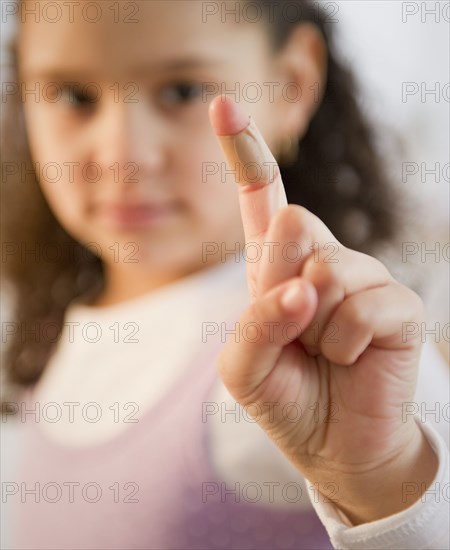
[211,186]
[62,169]
[44,146]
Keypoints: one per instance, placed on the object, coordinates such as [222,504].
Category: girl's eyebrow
[65,73]
[178,65]
[56,75]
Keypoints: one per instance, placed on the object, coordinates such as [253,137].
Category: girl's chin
[141,250]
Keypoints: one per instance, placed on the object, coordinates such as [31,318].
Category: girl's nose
[130,139]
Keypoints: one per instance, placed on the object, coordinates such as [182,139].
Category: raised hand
[329,368]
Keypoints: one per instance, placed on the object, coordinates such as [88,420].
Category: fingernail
[248,154]
[293,298]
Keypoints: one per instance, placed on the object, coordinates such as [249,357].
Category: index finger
[261,189]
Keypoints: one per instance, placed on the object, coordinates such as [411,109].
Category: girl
[149,263]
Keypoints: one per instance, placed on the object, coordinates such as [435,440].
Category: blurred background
[400,52]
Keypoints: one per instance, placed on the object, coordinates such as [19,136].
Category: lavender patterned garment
[153,486]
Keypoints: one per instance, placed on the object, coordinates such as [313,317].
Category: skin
[369,372]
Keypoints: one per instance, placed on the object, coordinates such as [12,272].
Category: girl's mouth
[137,215]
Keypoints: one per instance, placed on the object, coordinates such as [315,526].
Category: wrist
[385,488]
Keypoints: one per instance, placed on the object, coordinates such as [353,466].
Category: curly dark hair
[342,180]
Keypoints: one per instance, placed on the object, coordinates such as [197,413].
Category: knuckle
[292,215]
[356,314]
[323,275]
[375,265]
[416,304]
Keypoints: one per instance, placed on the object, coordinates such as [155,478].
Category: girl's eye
[77,98]
[183,92]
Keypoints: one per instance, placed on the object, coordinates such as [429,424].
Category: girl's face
[119,129]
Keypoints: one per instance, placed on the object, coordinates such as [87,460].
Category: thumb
[271,323]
